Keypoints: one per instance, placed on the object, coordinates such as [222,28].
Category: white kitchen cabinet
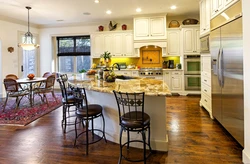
[123,44]
[204,17]
[218,6]
[135,73]
[206,83]
[191,39]
[97,45]
[146,28]
[174,80]
[173,41]
[119,44]
[123,72]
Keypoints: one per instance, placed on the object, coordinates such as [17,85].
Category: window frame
[73,54]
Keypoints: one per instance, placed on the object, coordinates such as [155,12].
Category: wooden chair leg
[7,96]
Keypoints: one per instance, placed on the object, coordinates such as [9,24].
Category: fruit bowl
[31,76]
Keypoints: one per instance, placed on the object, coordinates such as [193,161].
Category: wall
[47,39]
[9,35]
[246,66]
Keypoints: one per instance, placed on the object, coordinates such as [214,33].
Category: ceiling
[48,12]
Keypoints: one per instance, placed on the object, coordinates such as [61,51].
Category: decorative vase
[124,27]
[100,28]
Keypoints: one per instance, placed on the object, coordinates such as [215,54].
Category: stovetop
[150,71]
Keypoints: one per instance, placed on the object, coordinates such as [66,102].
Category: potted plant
[106,55]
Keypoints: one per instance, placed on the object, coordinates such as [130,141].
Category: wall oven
[192,72]
[192,64]
[192,82]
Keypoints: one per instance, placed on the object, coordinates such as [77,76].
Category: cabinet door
[188,40]
[216,7]
[135,73]
[141,28]
[166,78]
[176,82]
[173,42]
[127,44]
[207,16]
[117,45]
[197,48]
[97,45]
[229,2]
[108,42]
[206,65]
[203,15]
[157,27]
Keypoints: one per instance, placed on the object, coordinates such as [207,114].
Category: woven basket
[190,21]
[174,23]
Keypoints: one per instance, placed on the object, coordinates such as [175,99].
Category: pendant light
[28,41]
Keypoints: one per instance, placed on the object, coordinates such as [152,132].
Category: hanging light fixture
[28,41]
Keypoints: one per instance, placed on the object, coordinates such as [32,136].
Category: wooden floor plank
[193,138]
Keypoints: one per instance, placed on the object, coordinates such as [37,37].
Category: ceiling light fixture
[138,10]
[28,41]
[108,12]
[173,7]
[96,1]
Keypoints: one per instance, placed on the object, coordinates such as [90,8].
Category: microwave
[204,41]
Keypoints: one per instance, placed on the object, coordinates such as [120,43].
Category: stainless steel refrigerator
[227,72]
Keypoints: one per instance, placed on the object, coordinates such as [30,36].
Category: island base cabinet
[155,107]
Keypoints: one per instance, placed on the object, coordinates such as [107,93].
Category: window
[73,53]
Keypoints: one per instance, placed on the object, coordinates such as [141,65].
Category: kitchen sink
[122,77]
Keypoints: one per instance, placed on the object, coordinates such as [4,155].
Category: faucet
[118,66]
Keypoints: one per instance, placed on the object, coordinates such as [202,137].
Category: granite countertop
[151,87]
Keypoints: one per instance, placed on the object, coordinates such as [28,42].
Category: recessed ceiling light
[108,12]
[173,7]
[86,13]
[96,1]
[138,10]
[60,20]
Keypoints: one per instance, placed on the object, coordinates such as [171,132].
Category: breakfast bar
[101,92]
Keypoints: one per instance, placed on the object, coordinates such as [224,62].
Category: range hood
[162,44]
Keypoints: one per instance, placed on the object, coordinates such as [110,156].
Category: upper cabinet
[217,6]
[173,42]
[204,17]
[147,28]
[191,39]
[119,44]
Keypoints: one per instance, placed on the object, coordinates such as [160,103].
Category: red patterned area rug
[25,114]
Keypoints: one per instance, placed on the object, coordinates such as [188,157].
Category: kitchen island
[101,92]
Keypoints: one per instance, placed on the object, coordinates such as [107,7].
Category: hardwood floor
[193,139]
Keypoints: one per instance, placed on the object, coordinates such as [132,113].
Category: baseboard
[245,158]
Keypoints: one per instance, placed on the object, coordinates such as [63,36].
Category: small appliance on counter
[171,64]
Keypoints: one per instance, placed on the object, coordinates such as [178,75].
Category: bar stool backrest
[130,106]
[81,97]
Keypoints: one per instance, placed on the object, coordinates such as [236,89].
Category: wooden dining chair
[14,90]
[11,76]
[46,87]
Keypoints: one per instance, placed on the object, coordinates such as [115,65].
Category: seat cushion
[93,110]
[70,100]
[134,120]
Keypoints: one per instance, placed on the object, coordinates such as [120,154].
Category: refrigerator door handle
[221,68]
[218,67]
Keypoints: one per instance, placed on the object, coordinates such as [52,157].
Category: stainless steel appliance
[192,72]
[192,65]
[152,73]
[227,72]
[204,41]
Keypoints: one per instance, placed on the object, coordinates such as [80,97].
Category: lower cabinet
[206,83]
[127,72]
[174,80]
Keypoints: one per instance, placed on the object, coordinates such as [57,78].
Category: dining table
[31,84]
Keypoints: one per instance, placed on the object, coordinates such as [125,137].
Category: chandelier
[28,41]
